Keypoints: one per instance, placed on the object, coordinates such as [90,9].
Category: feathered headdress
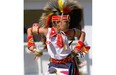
[59,7]
[62,6]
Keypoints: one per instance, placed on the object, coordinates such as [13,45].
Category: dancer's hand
[79,52]
[38,53]
[35,28]
[32,49]
[76,50]
[35,51]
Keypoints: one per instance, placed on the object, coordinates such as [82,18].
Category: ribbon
[30,41]
[59,42]
[85,49]
[82,47]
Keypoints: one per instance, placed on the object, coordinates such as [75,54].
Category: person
[56,30]
[57,42]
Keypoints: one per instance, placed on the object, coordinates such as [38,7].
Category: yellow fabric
[85,50]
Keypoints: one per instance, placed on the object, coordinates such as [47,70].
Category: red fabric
[85,49]
[30,41]
[53,32]
[57,18]
[78,48]
[64,72]
[79,45]
[63,61]
[65,17]
[60,42]
[67,10]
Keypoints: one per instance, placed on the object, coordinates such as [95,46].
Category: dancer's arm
[81,37]
[35,29]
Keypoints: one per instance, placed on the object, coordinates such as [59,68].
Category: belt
[62,61]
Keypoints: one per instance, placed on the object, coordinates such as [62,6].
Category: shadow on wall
[31,16]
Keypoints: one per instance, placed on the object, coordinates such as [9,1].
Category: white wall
[88,57]
[87,12]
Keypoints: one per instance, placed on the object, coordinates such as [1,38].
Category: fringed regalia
[63,58]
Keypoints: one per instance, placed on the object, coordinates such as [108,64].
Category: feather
[61,4]
[58,7]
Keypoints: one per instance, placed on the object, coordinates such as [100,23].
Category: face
[64,24]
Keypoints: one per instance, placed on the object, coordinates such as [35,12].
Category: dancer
[57,32]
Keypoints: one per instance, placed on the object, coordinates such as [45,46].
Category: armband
[79,45]
[82,47]
[30,41]
[85,49]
